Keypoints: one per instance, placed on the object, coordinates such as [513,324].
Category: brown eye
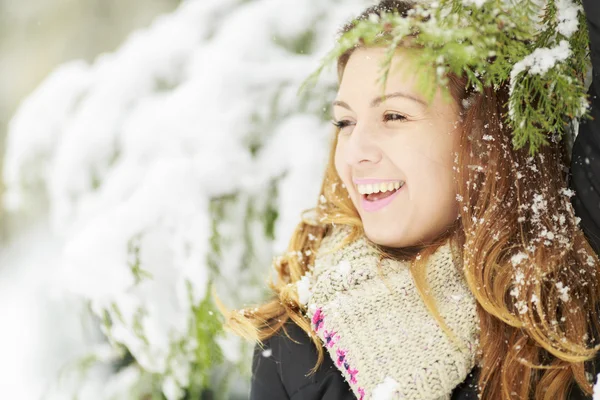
[341,124]
[394,117]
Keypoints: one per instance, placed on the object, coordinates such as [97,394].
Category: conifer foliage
[539,48]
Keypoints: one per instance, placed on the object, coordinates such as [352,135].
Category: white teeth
[379,187]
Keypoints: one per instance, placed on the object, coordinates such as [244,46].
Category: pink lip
[370,181]
[371,206]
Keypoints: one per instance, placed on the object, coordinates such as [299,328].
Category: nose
[362,148]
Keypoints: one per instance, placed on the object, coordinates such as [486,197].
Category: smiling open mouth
[376,196]
[380,195]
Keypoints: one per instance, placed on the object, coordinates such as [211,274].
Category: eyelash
[344,123]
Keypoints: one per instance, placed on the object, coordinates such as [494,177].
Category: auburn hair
[533,273]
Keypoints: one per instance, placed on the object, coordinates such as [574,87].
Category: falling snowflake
[267,353]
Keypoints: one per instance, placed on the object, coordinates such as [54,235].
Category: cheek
[341,167]
[432,177]
[444,183]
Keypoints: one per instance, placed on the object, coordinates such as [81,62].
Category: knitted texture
[377,328]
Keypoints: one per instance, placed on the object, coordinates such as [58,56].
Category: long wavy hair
[528,264]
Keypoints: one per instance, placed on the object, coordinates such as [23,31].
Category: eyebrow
[378,100]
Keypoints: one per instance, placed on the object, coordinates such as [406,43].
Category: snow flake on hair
[563,291]
[469,101]
[518,258]
[303,289]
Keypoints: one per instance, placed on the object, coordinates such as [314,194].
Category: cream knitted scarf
[378,330]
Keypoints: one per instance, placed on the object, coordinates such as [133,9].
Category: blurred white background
[150,148]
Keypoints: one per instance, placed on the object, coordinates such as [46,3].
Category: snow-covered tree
[181,160]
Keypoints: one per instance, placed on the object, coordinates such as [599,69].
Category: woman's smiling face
[400,141]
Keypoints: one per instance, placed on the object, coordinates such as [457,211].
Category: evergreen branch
[491,44]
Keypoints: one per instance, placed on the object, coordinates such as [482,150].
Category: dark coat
[283,374]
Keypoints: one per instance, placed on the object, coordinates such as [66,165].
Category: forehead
[360,79]
[364,68]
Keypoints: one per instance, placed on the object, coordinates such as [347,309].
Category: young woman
[442,262]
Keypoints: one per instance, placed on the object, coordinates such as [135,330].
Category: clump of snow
[590,261]
[520,277]
[539,204]
[563,291]
[541,60]
[538,62]
[518,258]
[477,3]
[568,192]
[344,267]
[303,288]
[566,16]
[515,292]
[385,390]
[522,307]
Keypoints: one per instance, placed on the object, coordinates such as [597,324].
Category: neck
[409,253]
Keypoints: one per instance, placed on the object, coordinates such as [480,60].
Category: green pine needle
[484,44]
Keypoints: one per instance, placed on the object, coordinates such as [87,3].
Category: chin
[384,237]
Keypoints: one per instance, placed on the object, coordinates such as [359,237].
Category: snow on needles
[538,62]
[541,60]
[566,15]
